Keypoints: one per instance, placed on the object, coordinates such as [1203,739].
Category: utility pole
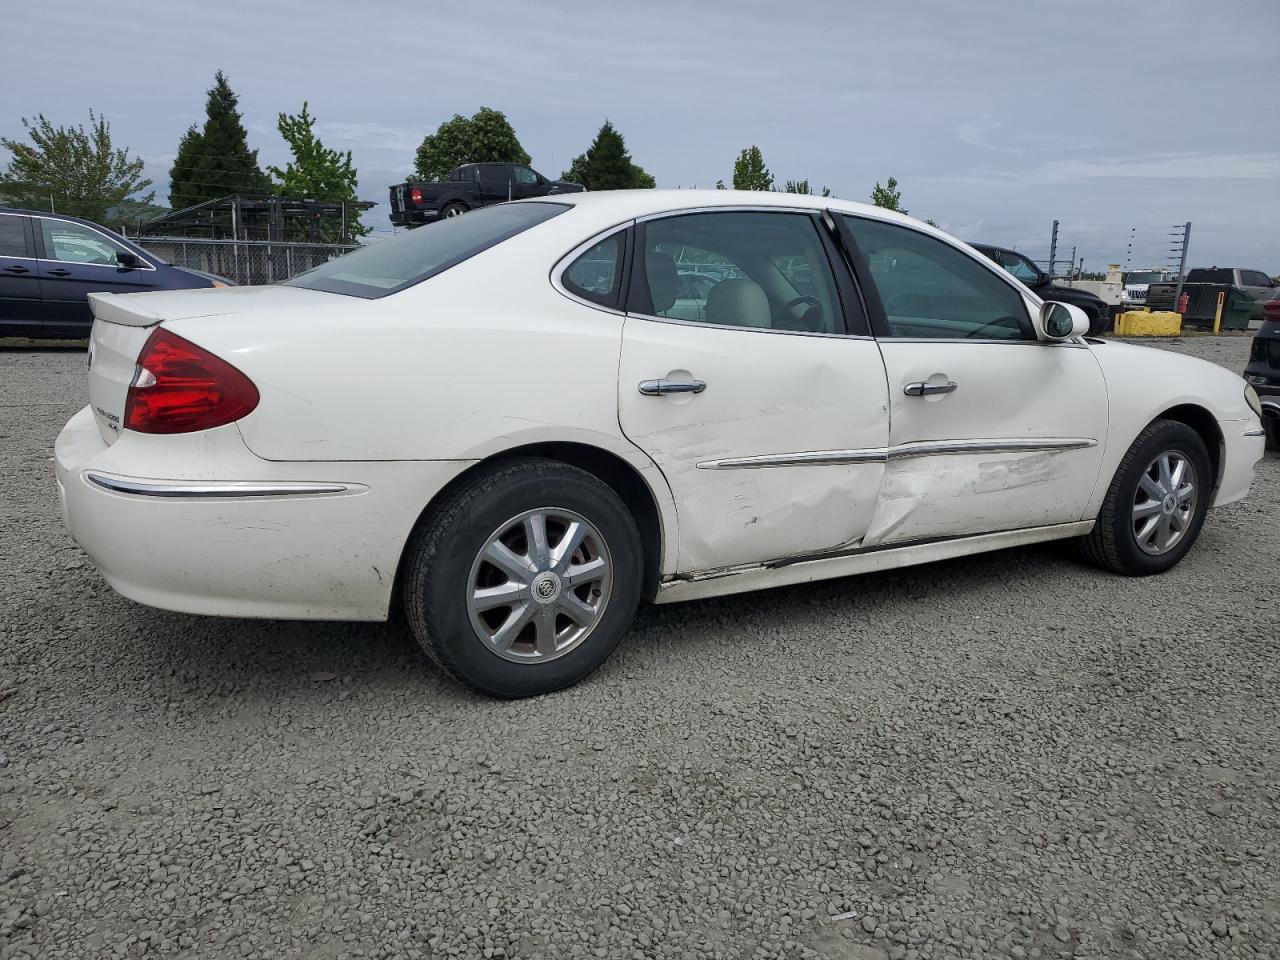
[1072,274]
[1053,249]
[1179,249]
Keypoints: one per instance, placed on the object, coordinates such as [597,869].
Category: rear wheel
[1272,425]
[454,209]
[525,579]
[1156,503]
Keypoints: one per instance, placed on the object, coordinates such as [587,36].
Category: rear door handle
[16,268]
[923,389]
[659,388]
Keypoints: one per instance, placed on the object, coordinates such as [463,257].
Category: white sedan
[521,422]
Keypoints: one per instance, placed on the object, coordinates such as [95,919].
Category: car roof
[629,204]
[53,216]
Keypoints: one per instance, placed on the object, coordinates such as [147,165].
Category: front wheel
[1156,504]
[525,579]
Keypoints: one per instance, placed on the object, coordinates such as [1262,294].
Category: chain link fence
[243,261]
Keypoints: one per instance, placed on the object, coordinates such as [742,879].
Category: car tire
[454,209]
[528,622]
[1123,540]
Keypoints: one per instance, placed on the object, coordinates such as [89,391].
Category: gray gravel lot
[1011,755]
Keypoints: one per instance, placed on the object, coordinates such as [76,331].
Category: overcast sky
[1107,116]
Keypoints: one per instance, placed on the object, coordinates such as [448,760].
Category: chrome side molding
[205,491]
[825,458]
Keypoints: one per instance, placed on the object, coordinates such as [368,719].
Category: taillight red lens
[415,195]
[179,387]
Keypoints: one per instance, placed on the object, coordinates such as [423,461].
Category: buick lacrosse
[519,423]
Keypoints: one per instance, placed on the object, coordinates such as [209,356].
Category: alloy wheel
[1164,503]
[539,585]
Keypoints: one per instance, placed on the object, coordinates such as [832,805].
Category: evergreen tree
[182,193]
[71,169]
[607,166]
[316,172]
[217,161]
[749,171]
[484,137]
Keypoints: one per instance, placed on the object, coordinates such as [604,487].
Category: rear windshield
[391,265]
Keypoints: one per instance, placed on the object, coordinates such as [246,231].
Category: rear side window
[13,237]
[597,274]
[384,268]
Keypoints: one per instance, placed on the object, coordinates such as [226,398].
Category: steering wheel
[1003,324]
[785,312]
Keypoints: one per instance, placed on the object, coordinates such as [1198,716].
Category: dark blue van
[50,263]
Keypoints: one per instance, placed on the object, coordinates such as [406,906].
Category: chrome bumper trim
[206,491]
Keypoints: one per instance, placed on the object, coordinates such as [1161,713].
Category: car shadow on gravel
[277,658]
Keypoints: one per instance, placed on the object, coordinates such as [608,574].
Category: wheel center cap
[1169,504]
[546,587]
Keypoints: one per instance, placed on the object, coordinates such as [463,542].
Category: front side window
[760,270]
[931,289]
[74,243]
[13,236]
[388,266]
[526,176]
[597,274]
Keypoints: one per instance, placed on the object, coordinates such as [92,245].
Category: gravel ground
[1010,755]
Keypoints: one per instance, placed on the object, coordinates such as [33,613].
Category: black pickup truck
[469,186]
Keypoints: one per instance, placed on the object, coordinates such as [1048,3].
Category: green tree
[607,166]
[888,196]
[71,169]
[216,161]
[749,171]
[484,137]
[316,172]
[802,186]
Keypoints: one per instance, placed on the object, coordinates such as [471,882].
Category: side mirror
[128,260]
[1062,321]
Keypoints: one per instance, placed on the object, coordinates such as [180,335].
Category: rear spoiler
[109,308]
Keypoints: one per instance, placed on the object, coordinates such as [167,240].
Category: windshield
[384,268]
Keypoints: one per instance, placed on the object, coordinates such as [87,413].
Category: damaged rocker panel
[779,573]
[822,458]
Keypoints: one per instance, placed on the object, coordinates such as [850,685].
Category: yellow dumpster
[1148,323]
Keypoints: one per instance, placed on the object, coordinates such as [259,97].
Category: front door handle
[60,272]
[659,388]
[16,268]
[924,389]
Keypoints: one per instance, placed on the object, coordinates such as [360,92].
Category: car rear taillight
[179,387]
[415,195]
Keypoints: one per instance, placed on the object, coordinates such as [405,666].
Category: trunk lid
[123,322]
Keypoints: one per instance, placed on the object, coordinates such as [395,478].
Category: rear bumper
[198,524]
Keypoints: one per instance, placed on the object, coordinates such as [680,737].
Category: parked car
[50,263]
[469,186]
[1260,287]
[1263,371]
[1026,270]
[465,420]
[1136,283]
